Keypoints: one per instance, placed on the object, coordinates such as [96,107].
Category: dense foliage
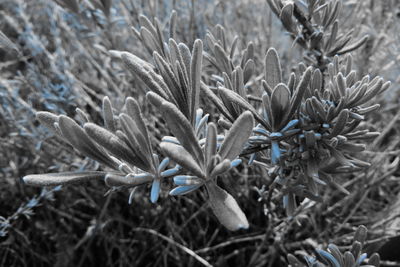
[234,131]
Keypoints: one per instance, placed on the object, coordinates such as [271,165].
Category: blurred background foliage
[58,61]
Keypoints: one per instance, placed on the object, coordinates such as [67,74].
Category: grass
[63,64]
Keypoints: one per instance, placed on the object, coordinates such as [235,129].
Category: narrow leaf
[62,178]
[108,114]
[182,157]
[195,77]
[210,148]
[78,138]
[183,131]
[48,119]
[182,190]
[155,190]
[237,136]
[273,71]
[114,145]
[226,209]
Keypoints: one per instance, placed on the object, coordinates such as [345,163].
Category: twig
[173,242]
[385,131]
[230,242]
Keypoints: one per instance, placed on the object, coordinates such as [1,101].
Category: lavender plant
[297,130]
[333,257]
[306,133]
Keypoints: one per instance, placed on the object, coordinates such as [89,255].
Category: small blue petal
[164,163]
[260,130]
[285,201]
[170,172]
[203,121]
[327,256]
[326,125]
[275,134]
[362,258]
[235,163]
[181,190]
[252,158]
[155,190]
[133,190]
[199,114]
[275,152]
[290,124]
[170,139]
[186,180]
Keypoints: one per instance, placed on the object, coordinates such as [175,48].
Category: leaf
[114,145]
[106,7]
[220,168]
[374,260]
[299,93]
[222,59]
[286,17]
[186,56]
[356,248]
[210,148]
[141,69]
[150,40]
[328,258]
[248,70]
[155,99]
[237,136]
[316,83]
[332,38]
[373,90]
[108,114]
[195,77]
[155,190]
[133,110]
[62,178]
[48,119]
[184,180]
[240,101]
[289,202]
[336,253]
[182,190]
[349,260]
[280,103]
[340,123]
[341,84]
[128,180]
[226,209]
[137,142]
[179,94]
[78,138]
[216,101]
[361,234]
[293,261]
[82,115]
[172,24]
[182,157]
[275,8]
[6,43]
[353,46]
[273,71]
[183,131]
[275,152]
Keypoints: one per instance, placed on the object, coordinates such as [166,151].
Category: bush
[250,131]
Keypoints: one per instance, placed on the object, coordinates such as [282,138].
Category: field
[288,161]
